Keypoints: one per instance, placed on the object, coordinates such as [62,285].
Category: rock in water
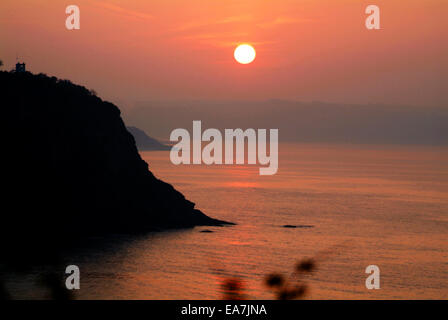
[70,168]
[298,226]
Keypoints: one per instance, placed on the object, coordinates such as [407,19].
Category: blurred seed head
[306,265]
[292,293]
[274,280]
[233,289]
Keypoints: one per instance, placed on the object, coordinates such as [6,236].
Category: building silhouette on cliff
[20,67]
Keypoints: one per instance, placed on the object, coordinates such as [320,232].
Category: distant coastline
[145,142]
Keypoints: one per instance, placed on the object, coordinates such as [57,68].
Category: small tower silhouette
[20,67]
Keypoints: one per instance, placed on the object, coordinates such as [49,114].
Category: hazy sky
[135,50]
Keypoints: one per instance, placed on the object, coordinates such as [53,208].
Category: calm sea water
[362,205]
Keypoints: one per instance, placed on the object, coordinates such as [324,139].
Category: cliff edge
[70,167]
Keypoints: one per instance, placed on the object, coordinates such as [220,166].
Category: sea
[344,207]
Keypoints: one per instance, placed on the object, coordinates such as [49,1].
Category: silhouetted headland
[71,168]
[145,142]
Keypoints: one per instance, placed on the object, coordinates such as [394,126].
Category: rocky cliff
[70,167]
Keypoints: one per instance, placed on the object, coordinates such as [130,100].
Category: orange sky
[133,50]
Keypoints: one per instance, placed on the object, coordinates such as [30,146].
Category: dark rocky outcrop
[291,226]
[145,142]
[70,168]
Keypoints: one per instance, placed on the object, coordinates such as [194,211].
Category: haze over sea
[355,205]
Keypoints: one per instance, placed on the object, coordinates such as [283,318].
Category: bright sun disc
[244,53]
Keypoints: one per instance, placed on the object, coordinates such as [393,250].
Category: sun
[244,53]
